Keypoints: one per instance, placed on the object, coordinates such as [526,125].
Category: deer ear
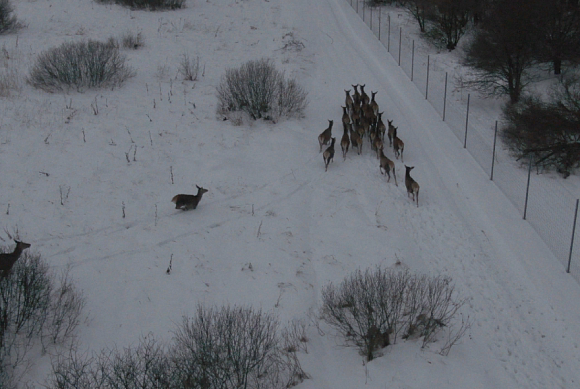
[197,187]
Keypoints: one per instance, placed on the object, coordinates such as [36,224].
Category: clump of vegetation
[80,65]
[229,348]
[546,130]
[8,21]
[36,307]
[153,5]
[132,41]
[189,67]
[260,90]
[372,308]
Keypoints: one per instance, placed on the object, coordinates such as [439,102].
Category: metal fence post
[371,20]
[528,187]
[493,152]
[400,39]
[412,59]
[427,81]
[445,97]
[389,35]
[380,13]
[466,122]
[573,233]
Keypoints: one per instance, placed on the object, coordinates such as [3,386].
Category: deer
[387,165]
[373,104]
[348,101]
[355,113]
[364,98]
[381,129]
[368,114]
[325,136]
[391,132]
[345,116]
[187,201]
[411,184]
[398,145]
[372,137]
[378,145]
[7,260]
[356,96]
[345,141]
[328,154]
[356,141]
[360,129]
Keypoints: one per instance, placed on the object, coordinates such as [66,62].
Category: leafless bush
[232,348]
[371,309]
[260,90]
[89,64]
[132,41]
[145,366]
[33,303]
[8,21]
[152,5]
[189,67]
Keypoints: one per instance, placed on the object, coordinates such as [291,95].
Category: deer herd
[361,119]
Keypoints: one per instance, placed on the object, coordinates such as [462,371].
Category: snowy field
[93,191]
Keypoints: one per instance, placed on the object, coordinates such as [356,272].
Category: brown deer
[387,165]
[373,104]
[186,201]
[378,145]
[398,145]
[348,101]
[360,130]
[411,184]
[381,128]
[356,96]
[328,154]
[7,260]
[345,141]
[391,132]
[345,117]
[325,136]
[364,98]
[356,141]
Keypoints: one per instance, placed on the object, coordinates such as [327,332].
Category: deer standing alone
[328,154]
[7,260]
[411,184]
[186,201]
[387,165]
[398,145]
[325,136]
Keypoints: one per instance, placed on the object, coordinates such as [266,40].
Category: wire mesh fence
[548,206]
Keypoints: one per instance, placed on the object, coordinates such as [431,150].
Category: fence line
[549,208]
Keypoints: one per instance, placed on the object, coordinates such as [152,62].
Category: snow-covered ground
[68,187]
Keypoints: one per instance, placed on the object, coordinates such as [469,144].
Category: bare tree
[420,10]
[449,19]
[560,26]
[548,131]
[504,49]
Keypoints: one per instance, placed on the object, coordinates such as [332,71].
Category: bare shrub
[8,21]
[86,64]
[189,67]
[33,302]
[152,5]
[371,309]
[233,347]
[260,90]
[145,366]
[132,41]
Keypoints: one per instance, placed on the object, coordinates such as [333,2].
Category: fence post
[445,97]
[427,81]
[400,39]
[528,187]
[493,152]
[466,122]
[573,233]
[380,13]
[389,35]
[372,20]
[412,59]
[357,6]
